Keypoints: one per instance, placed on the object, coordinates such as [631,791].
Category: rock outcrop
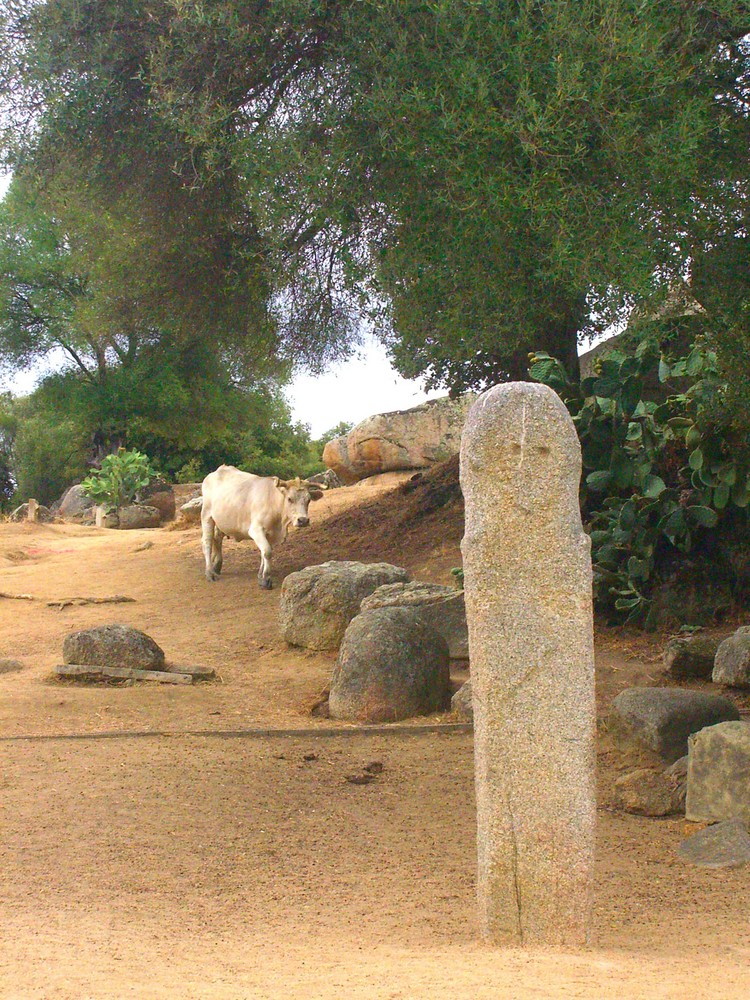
[405,439]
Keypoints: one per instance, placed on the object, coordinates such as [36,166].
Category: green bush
[661,477]
[119,479]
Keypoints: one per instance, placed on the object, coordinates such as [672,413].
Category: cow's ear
[278,484]
[316,495]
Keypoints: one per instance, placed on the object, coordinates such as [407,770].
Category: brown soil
[198,862]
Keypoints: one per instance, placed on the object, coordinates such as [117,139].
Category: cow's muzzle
[302,522]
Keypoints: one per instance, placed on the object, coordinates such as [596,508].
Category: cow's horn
[315,485]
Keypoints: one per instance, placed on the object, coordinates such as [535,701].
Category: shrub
[661,477]
[119,479]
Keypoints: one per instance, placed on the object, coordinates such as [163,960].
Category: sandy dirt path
[214,867]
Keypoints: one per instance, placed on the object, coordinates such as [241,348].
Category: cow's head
[297,496]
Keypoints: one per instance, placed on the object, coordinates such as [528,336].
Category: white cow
[241,505]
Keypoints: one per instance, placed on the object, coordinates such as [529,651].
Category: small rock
[374,767]
[9,666]
[440,607]
[690,656]
[732,664]
[138,516]
[359,779]
[310,756]
[724,845]
[191,511]
[645,792]
[40,513]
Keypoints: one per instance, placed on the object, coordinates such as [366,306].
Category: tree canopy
[480,177]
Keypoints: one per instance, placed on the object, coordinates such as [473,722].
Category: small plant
[458,577]
[119,479]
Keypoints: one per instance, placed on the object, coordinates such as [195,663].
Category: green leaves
[656,477]
[119,479]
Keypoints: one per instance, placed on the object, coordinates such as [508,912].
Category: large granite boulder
[405,439]
[662,719]
[76,506]
[391,666]
[159,494]
[113,646]
[688,657]
[138,516]
[732,663]
[718,785]
[318,602]
[440,607]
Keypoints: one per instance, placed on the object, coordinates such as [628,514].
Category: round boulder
[318,602]
[113,646]
[158,494]
[391,666]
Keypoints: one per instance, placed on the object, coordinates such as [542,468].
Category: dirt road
[180,866]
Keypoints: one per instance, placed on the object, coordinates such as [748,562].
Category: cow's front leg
[258,535]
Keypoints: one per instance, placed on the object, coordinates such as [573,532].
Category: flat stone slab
[724,845]
[84,670]
[197,672]
[662,719]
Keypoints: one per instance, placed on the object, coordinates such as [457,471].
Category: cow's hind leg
[258,535]
[217,556]
[208,531]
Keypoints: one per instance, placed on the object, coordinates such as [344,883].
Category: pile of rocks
[395,637]
[700,749]
[721,659]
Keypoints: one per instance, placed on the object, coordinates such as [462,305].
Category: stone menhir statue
[527,578]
